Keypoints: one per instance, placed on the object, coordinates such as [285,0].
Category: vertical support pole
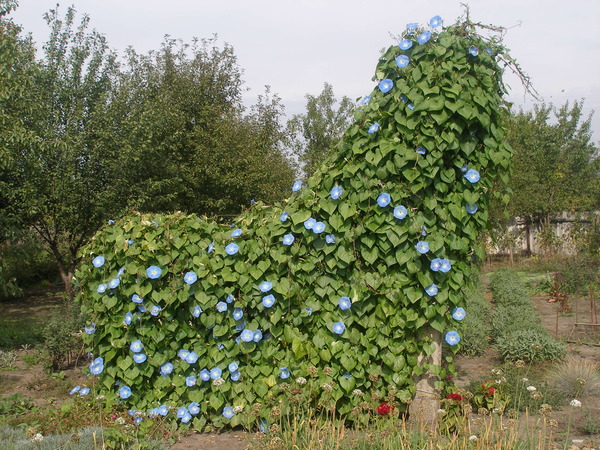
[426,403]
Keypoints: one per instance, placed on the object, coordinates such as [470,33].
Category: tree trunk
[426,403]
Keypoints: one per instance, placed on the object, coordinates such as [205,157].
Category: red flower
[456,397]
[490,392]
[384,409]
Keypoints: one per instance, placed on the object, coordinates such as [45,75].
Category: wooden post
[426,403]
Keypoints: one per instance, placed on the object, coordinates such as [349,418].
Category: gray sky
[296,45]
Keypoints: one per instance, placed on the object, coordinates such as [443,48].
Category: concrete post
[426,403]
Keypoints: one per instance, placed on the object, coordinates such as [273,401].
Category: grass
[18,332]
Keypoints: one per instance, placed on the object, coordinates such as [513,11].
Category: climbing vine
[330,291]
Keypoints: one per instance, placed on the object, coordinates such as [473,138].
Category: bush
[62,336]
[476,331]
[578,272]
[508,289]
[506,319]
[529,345]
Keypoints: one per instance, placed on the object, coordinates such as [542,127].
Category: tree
[61,180]
[187,142]
[555,165]
[313,134]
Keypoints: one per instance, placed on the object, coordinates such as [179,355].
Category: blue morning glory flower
[464,168]
[308,311]
[435,264]
[384,199]
[284,373]
[163,410]
[263,426]
[339,327]
[403,98]
[230,298]
[102,288]
[128,318]
[205,375]
[130,242]
[309,223]
[136,346]
[231,249]
[422,247]
[235,375]
[411,106]
[228,412]
[166,369]
[265,286]
[153,413]
[452,337]
[98,261]
[136,299]
[257,336]
[97,366]
[402,61]
[268,301]
[400,212]
[284,216]
[139,357]
[432,290]
[210,248]
[215,373]
[114,283]
[186,417]
[197,311]
[182,412]
[110,221]
[190,277]
[247,335]
[124,392]
[473,50]
[458,314]
[347,375]
[424,37]
[155,310]
[142,308]
[445,266]
[91,328]
[471,209]
[220,346]
[238,313]
[386,85]
[138,420]
[194,408]
[183,353]
[330,239]
[288,239]
[75,390]
[232,367]
[191,358]
[236,233]
[424,231]
[435,21]
[318,227]
[344,303]
[405,44]
[373,128]
[297,186]
[472,175]
[121,271]
[153,272]
[84,391]
[420,150]
[221,306]
[412,27]
[365,100]
[240,326]
[336,192]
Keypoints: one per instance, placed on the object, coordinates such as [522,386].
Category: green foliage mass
[447,101]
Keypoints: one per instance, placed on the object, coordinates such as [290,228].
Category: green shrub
[529,345]
[508,289]
[476,325]
[507,319]
[578,272]
[62,336]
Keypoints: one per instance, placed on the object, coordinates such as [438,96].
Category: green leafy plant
[529,345]
[337,284]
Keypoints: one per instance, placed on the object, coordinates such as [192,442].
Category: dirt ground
[33,381]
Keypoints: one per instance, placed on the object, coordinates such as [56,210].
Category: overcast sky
[297,45]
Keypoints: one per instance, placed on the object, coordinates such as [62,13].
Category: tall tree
[60,182]
[314,133]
